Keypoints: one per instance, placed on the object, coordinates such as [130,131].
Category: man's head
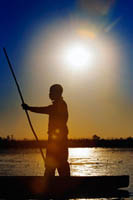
[55,92]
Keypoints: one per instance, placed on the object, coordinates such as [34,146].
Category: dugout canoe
[24,187]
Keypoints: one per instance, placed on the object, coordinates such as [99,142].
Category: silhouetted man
[57,147]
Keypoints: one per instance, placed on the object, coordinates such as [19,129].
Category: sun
[78,56]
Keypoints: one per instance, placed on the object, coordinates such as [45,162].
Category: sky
[41,38]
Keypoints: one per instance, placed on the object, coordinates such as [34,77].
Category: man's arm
[42,110]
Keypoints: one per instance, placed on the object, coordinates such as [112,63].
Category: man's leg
[49,172]
[49,162]
[64,169]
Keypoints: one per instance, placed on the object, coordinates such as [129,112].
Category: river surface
[83,162]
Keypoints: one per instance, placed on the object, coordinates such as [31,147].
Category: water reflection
[88,161]
[83,162]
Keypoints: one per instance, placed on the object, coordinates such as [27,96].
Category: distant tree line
[104,143]
[95,141]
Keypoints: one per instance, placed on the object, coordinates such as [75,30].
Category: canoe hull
[38,186]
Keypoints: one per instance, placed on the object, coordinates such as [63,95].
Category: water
[83,162]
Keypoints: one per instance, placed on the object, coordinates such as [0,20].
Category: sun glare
[78,56]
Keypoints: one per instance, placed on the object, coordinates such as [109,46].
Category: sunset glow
[78,56]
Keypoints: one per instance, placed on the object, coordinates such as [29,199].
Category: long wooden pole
[22,99]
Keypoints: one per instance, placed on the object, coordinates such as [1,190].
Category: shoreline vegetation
[95,141]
